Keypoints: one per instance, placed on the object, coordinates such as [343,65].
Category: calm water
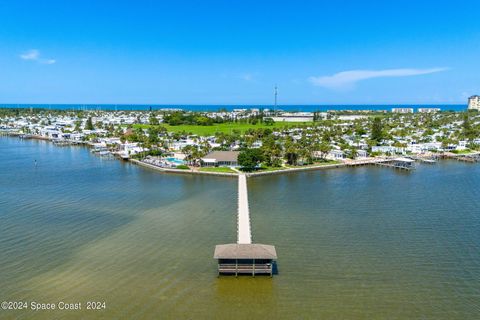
[304,108]
[365,243]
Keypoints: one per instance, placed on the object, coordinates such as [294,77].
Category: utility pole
[276,94]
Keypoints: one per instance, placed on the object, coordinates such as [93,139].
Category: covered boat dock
[399,163]
[245,257]
[251,259]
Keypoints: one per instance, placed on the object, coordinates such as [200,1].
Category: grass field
[316,164]
[218,169]
[266,168]
[466,151]
[223,127]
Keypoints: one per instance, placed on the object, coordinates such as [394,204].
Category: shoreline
[353,163]
[248,174]
[180,171]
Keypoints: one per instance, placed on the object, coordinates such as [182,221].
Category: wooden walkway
[396,163]
[362,162]
[243,219]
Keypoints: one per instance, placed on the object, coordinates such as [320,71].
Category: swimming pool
[175,160]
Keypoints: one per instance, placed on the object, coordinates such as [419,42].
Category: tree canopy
[249,159]
[377,130]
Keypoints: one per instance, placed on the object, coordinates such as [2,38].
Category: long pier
[245,257]
[244,233]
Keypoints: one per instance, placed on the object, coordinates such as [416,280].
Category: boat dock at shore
[245,257]
[398,163]
[403,163]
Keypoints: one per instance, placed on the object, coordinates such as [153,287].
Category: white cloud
[30,55]
[48,61]
[348,79]
[34,55]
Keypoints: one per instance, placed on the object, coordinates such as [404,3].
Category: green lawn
[316,164]
[466,151]
[224,127]
[217,169]
[266,168]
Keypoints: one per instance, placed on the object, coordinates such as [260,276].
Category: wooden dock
[427,160]
[399,163]
[395,163]
[363,162]
[244,257]
[6,132]
[244,234]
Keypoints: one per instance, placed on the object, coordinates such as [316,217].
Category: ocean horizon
[230,107]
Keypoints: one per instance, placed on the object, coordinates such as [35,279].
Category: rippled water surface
[360,243]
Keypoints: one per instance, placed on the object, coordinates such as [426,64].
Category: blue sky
[233,52]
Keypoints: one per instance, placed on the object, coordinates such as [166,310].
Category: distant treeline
[200,119]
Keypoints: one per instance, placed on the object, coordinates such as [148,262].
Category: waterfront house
[129,149]
[361,153]
[462,145]
[220,158]
[388,149]
[423,147]
[336,155]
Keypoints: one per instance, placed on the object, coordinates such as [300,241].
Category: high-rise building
[402,110]
[428,110]
[474,103]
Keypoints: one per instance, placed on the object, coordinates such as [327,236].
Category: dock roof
[403,160]
[245,251]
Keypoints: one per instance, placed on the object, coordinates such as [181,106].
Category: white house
[336,155]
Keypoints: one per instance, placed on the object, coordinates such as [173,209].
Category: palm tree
[188,151]
[324,148]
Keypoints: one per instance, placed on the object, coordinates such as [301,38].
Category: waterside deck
[244,257]
[243,221]
[251,259]
[399,163]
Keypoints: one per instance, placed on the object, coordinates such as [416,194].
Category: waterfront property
[220,158]
[342,134]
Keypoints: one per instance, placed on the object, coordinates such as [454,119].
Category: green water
[364,243]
